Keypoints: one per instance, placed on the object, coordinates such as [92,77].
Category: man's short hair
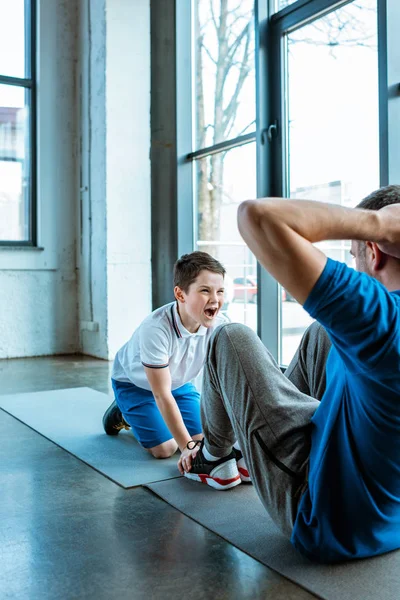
[375,201]
[380,198]
[188,267]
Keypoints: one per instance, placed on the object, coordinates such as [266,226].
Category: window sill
[24,248]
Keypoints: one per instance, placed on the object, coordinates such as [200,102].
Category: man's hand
[185,461]
[390,224]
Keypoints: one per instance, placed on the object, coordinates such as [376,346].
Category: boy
[153,372]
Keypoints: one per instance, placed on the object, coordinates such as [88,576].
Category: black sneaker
[113,421]
[241,465]
[221,474]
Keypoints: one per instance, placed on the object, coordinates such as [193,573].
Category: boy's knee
[164,450]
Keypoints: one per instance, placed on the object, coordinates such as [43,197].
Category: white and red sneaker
[221,474]
[241,465]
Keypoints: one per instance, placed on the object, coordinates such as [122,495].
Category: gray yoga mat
[238,516]
[72,419]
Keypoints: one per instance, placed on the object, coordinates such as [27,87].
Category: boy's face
[204,299]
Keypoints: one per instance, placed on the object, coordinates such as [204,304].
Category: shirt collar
[180,330]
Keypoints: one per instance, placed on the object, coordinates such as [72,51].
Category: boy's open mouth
[211,312]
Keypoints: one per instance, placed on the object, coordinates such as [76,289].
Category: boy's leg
[140,411]
[246,397]
[307,368]
[187,399]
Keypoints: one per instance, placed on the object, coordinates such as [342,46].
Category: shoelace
[122,425]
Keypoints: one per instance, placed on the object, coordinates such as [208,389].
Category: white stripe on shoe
[222,477]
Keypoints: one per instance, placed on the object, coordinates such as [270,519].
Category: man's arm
[160,383]
[281,234]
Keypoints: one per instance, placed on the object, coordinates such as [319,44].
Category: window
[277,5]
[17,123]
[330,122]
[224,148]
[327,118]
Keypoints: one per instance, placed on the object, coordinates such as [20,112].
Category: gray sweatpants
[247,398]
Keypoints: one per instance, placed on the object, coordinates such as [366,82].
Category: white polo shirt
[162,341]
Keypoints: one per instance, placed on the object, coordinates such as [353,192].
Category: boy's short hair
[187,268]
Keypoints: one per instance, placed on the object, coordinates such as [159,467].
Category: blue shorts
[140,411]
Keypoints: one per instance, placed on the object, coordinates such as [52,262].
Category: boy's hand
[185,461]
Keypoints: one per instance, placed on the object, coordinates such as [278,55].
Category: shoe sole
[223,477]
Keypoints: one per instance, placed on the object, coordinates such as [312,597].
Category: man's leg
[246,397]
[307,368]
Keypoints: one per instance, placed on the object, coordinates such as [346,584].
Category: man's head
[199,287]
[367,253]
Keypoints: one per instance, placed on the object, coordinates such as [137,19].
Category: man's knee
[164,450]
[232,331]
[317,335]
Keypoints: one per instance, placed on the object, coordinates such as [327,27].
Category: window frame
[291,17]
[201,153]
[279,24]
[269,28]
[28,83]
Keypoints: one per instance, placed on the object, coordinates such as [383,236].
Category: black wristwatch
[195,443]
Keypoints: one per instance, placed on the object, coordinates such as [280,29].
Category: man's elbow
[247,215]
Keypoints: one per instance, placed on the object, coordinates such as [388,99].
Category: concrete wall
[89,286]
[128,168]
[114,254]
[38,290]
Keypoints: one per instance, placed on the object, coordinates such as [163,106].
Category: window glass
[12,38]
[223,180]
[332,123]
[224,70]
[14,164]
[277,5]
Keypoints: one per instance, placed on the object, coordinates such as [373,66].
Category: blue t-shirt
[351,508]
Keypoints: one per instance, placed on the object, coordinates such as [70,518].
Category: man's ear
[179,295]
[375,257]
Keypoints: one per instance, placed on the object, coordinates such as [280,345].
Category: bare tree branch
[231,110]
[206,50]
[214,20]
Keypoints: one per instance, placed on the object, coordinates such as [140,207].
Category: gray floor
[68,532]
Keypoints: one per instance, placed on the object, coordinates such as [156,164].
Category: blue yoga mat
[72,419]
[238,516]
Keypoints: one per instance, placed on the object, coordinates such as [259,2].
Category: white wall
[89,286]
[38,295]
[128,168]
[92,226]
[115,249]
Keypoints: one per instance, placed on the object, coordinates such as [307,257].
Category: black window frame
[172,189]
[291,17]
[228,144]
[29,84]
[272,146]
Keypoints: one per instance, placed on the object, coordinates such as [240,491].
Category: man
[327,472]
